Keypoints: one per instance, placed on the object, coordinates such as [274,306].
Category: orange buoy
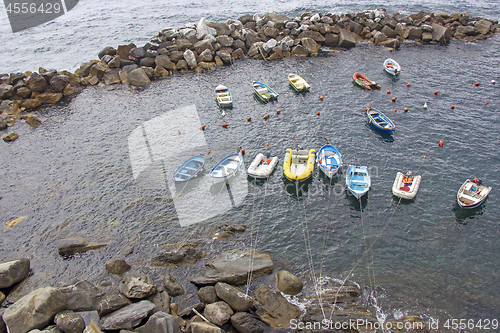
[475,180]
[350,138]
[425,156]
[202,127]
[179,131]
[326,138]
[388,91]
[366,109]
[249,118]
[406,109]
[393,99]
[266,116]
[453,106]
[294,140]
[224,125]
[242,151]
[267,144]
[408,84]
[485,103]
[321,97]
[441,143]
[436,92]
[317,113]
[477,83]
[395,110]
[209,151]
[278,111]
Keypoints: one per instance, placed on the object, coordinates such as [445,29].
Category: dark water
[72,176]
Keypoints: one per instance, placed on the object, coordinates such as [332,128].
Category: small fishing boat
[263,92]
[189,169]
[406,186]
[262,166]
[226,168]
[392,67]
[223,95]
[472,193]
[358,180]
[298,83]
[298,164]
[329,160]
[380,121]
[362,81]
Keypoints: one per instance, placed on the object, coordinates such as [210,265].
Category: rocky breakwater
[205,45]
[233,291]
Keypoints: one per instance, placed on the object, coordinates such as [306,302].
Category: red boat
[362,81]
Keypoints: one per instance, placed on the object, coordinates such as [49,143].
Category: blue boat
[226,168]
[329,160]
[380,121]
[263,92]
[189,169]
[358,180]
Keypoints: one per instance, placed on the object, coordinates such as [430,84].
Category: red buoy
[485,103]
[242,151]
[406,109]
[436,92]
[224,125]
[317,113]
[441,143]
[393,99]
[477,83]
[326,138]
[395,110]
[209,151]
[202,127]
[321,97]
[366,109]
[278,111]
[388,92]
[249,118]
[408,85]
[266,116]
[267,144]
[452,107]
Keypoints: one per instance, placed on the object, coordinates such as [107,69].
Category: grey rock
[288,283]
[202,29]
[160,322]
[427,36]
[172,286]
[7,91]
[12,272]
[225,56]
[48,74]
[130,68]
[273,309]
[291,25]
[117,266]
[35,310]
[16,77]
[269,45]
[426,28]
[190,58]
[415,33]
[147,62]
[225,41]
[112,76]
[164,61]
[203,327]
[468,30]
[183,44]
[72,245]
[244,322]
[218,313]
[483,26]
[233,267]
[393,43]
[188,312]
[3,125]
[235,297]
[389,32]
[331,39]
[69,322]
[402,30]
[162,301]
[135,284]
[310,44]
[108,50]
[128,317]
[205,56]
[137,52]
[348,39]
[111,302]
[127,62]
[37,83]
[85,68]
[138,77]
[441,34]
[203,45]
[379,37]
[81,296]
[59,82]
[208,295]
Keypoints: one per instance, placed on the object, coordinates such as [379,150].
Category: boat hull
[223,96]
[329,160]
[298,83]
[226,168]
[364,82]
[412,183]
[263,92]
[358,180]
[392,67]
[471,195]
[189,169]
[380,121]
[261,167]
[298,158]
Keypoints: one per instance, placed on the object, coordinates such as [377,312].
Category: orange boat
[362,81]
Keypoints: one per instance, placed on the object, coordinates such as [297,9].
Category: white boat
[472,194]
[392,67]
[263,92]
[223,95]
[262,167]
[329,160]
[406,186]
[298,83]
[226,168]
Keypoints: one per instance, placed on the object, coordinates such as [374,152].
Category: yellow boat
[299,164]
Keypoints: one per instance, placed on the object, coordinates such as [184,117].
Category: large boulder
[49,98]
[218,313]
[71,245]
[225,56]
[81,296]
[172,286]
[415,32]
[37,83]
[389,32]
[203,45]
[379,37]
[9,137]
[59,82]
[235,297]
[234,267]
[441,34]
[108,50]
[273,309]
[69,322]
[117,266]
[269,45]
[137,285]
[301,51]
[278,19]
[310,44]
[208,295]
[348,39]
[12,272]
[244,322]
[128,317]
[203,327]
[288,283]
[7,91]
[138,77]
[164,61]
[402,30]
[35,310]
[137,53]
[111,302]
[162,301]
[112,76]
[483,26]
[205,56]
[225,41]
[160,322]
[202,29]
[190,58]
[331,39]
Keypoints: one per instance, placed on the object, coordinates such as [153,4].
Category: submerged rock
[273,309]
[137,285]
[288,283]
[72,245]
[246,323]
[128,317]
[14,271]
[69,322]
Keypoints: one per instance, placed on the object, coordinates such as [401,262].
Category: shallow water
[72,176]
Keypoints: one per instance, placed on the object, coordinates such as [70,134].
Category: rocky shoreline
[137,302]
[206,45]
